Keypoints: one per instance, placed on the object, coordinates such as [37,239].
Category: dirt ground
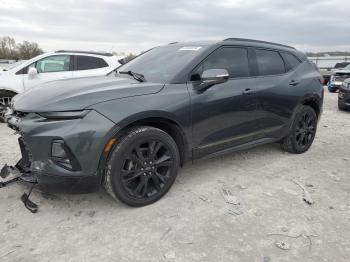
[193,222]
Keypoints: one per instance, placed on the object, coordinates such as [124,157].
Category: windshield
[162,64]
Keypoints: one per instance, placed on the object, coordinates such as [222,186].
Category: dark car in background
[338,76]
[344,95]
[182,102]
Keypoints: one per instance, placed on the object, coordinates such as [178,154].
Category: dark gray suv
[132,129]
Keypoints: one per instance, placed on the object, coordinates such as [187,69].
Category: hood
[78,94]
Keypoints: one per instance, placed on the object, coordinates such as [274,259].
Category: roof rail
[84,52]
[172,43]
[257,41]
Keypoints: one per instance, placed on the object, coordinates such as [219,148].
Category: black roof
[84,52]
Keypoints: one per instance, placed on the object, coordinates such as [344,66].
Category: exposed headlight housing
[64,115]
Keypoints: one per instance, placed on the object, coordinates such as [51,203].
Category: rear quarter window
[89,62]
[269,62]
[290,60]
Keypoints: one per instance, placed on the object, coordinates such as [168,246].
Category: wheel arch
[3,89]
[314,103]
[166,124]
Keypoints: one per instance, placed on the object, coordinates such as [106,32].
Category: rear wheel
[142,166]
[5,100]
[303,131]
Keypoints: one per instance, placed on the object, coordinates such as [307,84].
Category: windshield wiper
[136,76]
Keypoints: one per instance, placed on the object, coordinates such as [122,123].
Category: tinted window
[51,64]
[290,61]
[269,62]
[89,62]
[234,60]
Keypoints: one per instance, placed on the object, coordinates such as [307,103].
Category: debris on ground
[306,236]
[306,195]
[268,194]
[282,245]
[241,186]
[7,253]
[170,255]
[285,229]
[165,233]
[235,212]
[229,197]
[204,198]
[334,177]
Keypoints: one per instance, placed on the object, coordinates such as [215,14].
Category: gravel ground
[193,222]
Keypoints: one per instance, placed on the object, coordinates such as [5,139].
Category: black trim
[84,52]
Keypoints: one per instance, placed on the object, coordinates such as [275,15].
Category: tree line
[11,50]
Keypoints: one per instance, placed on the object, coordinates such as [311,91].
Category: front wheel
[5,100]
[303,131]
[142,166]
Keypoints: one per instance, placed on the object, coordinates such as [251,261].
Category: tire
[302,132]
[142,166]
[341,106]
[5,100]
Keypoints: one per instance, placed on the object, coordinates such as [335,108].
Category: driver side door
[224,116]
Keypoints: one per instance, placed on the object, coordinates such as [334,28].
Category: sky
[135,26]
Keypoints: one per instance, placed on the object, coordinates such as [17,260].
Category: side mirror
[32,72]
[211,77]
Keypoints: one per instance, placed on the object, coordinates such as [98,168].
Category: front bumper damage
[82,139]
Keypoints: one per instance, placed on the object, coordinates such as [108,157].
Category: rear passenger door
[277,91]
[89,66]
[223,116]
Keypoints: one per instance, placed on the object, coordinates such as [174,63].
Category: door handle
[294,83]
[248,91]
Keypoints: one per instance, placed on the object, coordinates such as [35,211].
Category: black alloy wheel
[305,129]
[142,167]
[146,169]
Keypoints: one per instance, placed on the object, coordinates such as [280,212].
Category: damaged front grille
[25,162]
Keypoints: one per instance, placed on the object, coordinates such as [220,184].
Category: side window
[89,62]
[233,59]
[269,62]
[58,63]
[290,60]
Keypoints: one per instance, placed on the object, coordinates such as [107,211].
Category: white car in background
[50,67]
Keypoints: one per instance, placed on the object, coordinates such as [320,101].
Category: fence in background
[328,61]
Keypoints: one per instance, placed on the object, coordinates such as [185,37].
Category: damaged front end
[21,171]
